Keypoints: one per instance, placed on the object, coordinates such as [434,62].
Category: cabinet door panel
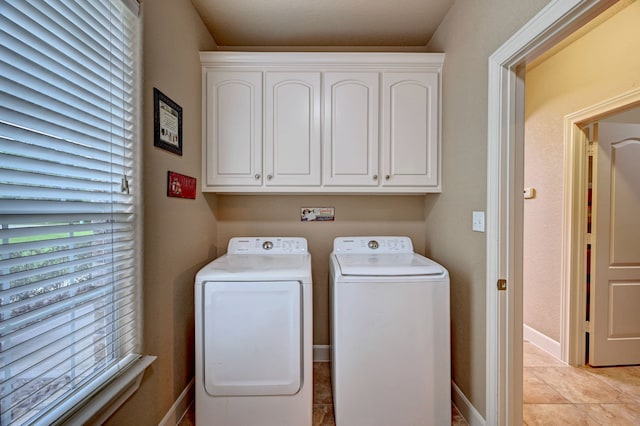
[350,137]
[233,147]
[410,129]
[292,128]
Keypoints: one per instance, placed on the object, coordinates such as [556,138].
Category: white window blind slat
[78,250]
[21,283]
[29,320]
[39,64]
[59,175]
[69,233]
[39,332]
[120,233]
[39,119]
[57,350]
[22,367]
[31,144]
[78,369]
[11,206]
[93,41]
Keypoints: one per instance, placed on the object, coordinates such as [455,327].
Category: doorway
[553,389]
[620,109]
[504,198]
[549,171]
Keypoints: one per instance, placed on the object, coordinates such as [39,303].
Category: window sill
[108,400]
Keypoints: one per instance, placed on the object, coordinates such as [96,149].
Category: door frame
[505,160]
[574,275]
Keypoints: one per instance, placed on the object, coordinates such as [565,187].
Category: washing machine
[253,341]
[390,338]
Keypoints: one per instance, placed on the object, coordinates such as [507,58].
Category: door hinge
[502,284]
[587,327]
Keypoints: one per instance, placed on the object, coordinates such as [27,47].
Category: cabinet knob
[387,177]
[375,177]
[269,177]
[257,176]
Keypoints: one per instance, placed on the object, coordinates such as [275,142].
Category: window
[69,204]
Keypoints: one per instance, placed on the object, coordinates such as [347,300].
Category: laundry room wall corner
[179,234]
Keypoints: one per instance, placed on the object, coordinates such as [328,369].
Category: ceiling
[322,23]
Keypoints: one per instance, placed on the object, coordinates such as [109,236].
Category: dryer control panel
[267,245]
[372,245]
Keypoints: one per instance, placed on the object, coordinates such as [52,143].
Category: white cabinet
[232,124]
[292,128]
[350,130]
[321,122]
[410,129]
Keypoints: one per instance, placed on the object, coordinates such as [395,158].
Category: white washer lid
[397,264]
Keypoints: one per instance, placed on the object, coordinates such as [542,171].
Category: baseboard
[542,341]
[464,406]
[180,407]
[321,353]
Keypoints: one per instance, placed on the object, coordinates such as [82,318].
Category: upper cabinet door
[410,128]
[350,130]
[233,142]
[292,128]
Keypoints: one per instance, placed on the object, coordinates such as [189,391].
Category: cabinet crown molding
[324,60]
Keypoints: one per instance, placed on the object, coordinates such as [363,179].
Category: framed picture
[167,123]
[181,186]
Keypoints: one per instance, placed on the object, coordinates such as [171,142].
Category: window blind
[69,204]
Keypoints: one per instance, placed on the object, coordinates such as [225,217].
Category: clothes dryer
[253,342]
[389,334]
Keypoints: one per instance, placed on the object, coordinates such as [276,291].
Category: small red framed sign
[181,186]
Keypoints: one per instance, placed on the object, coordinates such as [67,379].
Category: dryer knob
[267,245]
[373,244]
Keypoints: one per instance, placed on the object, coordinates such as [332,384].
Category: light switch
[478,222]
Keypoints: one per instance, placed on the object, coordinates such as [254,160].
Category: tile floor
[322,400]
[557,394]
[554,394]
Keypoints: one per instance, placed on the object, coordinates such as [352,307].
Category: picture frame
[181,186]
[167,123]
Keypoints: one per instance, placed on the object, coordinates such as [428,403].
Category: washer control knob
[373,244]
[267,245]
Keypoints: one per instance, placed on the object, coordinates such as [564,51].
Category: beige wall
[469,34]
[600,65]
[272,215]
[179,235]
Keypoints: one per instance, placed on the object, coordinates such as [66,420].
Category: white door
[292,128]
[350,133]
[614,337]
[253,338]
